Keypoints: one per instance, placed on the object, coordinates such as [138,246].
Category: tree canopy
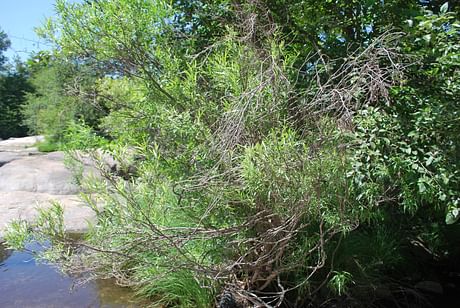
[13,87]
[4,45]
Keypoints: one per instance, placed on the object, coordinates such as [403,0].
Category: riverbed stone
[24,205]
[20,144]
[30,180]
[40,174]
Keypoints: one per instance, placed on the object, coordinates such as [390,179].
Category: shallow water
[26,283]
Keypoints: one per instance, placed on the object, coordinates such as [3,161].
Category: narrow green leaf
[429,160]
[444,8]
[451,218]
[421,187]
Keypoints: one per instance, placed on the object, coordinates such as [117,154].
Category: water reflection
[25,283]
[4,253]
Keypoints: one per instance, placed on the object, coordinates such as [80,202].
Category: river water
[26,283]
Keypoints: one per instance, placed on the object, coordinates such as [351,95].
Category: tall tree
[13,87]
[4,45]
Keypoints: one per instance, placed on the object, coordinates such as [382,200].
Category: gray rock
[24,205]
[30,180]
[42,174]
[13,144]
[6,157]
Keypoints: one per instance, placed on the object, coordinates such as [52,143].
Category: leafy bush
[407,153]
[240,174]
[63,94]
[13,88]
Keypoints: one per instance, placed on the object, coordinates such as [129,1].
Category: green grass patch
[48,146]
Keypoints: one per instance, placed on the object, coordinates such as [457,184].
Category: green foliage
[335,27]
[176,289]
[339,282]
[408,152]
[47,110]
[17,234]
[49,222]
[79,136]
[284,172]
[47,146]
[368,254]
[404,155]
[14,84]
[4,45]
[63,94]
[13,87]
[223,166]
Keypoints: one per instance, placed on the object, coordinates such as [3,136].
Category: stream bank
[30,180]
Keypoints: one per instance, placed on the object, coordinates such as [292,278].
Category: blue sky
[18,18]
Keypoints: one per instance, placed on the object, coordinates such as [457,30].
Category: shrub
[243,176]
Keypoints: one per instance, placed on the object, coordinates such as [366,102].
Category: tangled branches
[361,79]
[261,216]
[259,103]
[257,250]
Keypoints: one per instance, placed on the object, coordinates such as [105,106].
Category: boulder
[41,174]
[24,205]
[30,180]
[20,143]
